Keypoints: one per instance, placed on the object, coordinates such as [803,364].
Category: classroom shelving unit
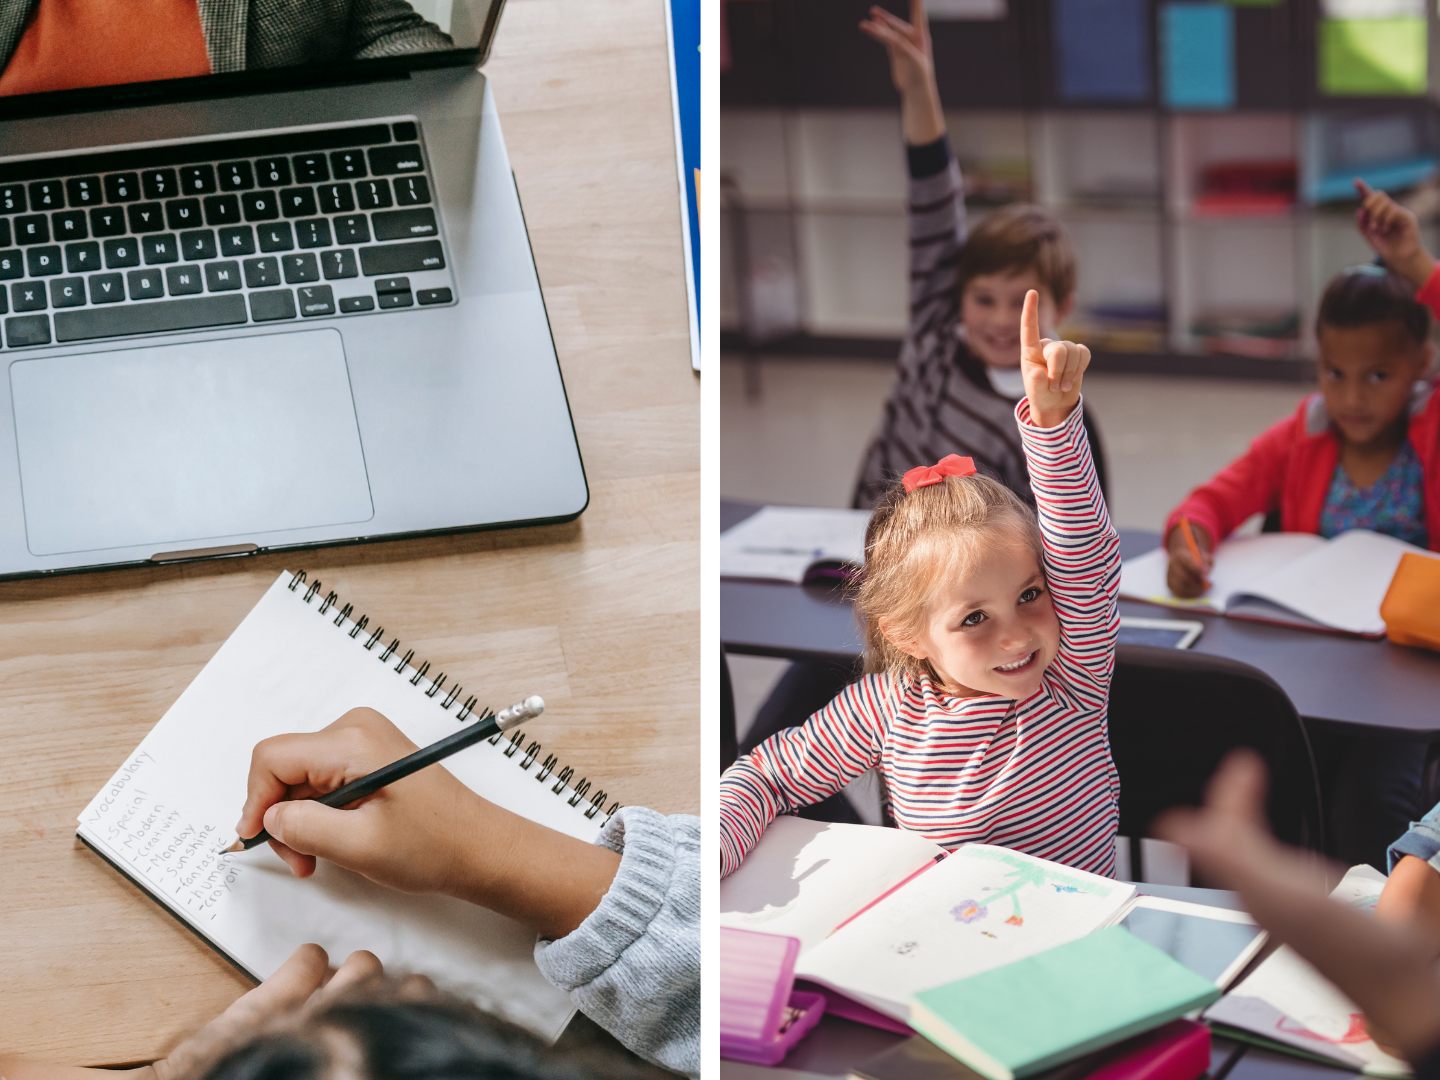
[1172,279]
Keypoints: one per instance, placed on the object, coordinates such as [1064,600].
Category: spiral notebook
[299,660]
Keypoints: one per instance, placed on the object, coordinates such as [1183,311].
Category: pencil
[1194,549]
[486,727]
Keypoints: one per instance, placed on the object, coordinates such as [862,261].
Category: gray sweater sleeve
[633,966]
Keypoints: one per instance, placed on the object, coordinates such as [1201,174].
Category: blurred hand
[1053,370]
[912,61]
[1186,577]
[1393,232]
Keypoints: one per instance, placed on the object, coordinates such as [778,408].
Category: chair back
[1175,714]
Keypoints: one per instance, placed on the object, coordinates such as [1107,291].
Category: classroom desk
[836,1046]
[600,616]
[1333,680]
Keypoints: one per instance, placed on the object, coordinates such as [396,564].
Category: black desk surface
[1349,682]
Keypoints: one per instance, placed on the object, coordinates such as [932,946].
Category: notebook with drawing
[1286,1005]
[1294,579]
[882,914]
[298,661]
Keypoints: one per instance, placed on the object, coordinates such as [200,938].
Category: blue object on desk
[1102,50]
[1198,46]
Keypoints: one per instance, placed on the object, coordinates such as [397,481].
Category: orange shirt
[71,43]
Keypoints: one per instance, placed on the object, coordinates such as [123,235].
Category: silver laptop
[285,303]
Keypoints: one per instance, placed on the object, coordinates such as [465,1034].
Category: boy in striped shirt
[990,644]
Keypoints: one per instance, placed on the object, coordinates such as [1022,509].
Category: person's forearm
[921,116]
[1415,268]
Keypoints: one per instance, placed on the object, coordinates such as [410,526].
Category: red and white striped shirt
[1034,775]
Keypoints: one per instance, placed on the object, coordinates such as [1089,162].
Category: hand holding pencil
[1191,557]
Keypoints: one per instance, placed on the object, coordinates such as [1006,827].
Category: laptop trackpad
[176,446]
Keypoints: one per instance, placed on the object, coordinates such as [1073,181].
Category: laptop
[276,293]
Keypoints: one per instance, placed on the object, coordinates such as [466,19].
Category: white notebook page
[176,799]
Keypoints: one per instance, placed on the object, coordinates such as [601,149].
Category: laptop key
[338,264]
[191,313]
[43,261]
[269,306]
[260,205]
[396,159]
[67,292]
[301,267]
[276,236]
[159,184]
[434,296]
[198,244]
[12,265]
[273,171]
[311,168]
[239,240]
[222,276]
[83,190]
[392,284]
[6,236]
[352,229]
[32,229]
[27,330]
[402,258]
[310,233]
[351,304]
[160,249]
[222,210]
[373,194]
[197,179]
[184,280]
[396,300]
[411,191]
[69,225]
[298,202]
[261,272]
[122,253]
[146,217]
[336,198]
[122,187]
[316,300]
[182,213]
[236,176]
[405,131]
[404,224]
[82,258]
[28,296]
[107,221]
[12,199]
[106,288]
[347,164]
[47,195]
[145,284]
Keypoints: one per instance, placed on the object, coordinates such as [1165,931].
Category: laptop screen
[77,53]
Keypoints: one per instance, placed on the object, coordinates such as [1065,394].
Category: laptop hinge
[204,553]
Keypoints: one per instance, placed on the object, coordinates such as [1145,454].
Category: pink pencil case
[762,1016]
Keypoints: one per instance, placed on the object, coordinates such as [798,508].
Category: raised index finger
[1362,187]
[1030,321]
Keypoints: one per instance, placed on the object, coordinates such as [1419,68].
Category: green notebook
[1057,1005]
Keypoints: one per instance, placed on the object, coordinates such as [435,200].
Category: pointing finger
[1030,321]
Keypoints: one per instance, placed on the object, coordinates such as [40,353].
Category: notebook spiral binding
[516,742]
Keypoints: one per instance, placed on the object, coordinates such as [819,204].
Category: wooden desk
[1349,683]
[600,616]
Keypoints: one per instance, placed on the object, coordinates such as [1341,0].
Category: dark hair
[1017,238]
[1366,295]
[438,1039]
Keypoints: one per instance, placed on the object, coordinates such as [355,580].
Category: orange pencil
[1194,548]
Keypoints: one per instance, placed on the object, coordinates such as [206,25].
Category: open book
[795,544]
[1294,579]
[296,663]
[882,914]
[1287,1005]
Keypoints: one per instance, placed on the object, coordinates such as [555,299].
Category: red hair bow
[925,475]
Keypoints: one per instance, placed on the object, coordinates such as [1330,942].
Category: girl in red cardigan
[1364,452]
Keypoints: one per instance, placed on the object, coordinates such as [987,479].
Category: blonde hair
[915,539]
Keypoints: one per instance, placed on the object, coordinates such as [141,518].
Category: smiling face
[990,309]
[990,629]
[1366,375]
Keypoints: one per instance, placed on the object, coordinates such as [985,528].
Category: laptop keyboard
[258,229]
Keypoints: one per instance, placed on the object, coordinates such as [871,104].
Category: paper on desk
[175,801]
[1286,1001]
[780,543]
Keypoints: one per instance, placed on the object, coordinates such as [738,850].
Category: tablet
[1169,633]
[1214,942]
